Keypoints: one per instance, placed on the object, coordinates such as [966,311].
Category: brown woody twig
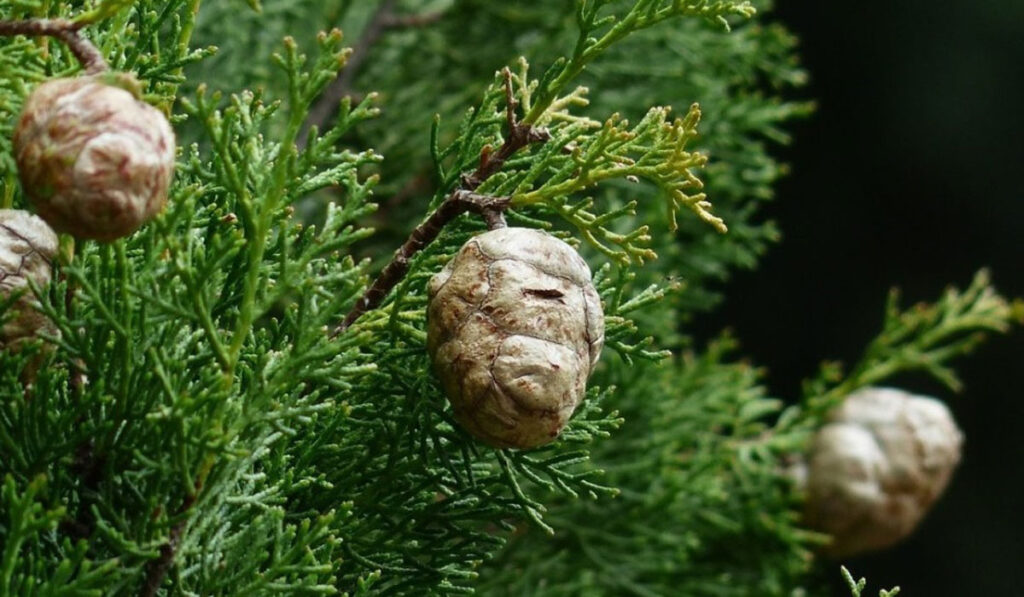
[68,32]
[455,205]
[460,201]
[383,19]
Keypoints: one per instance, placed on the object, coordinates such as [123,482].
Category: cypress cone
[515,328]
[95,160]
[877,468]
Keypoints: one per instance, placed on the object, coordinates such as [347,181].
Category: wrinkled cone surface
[515,327]
[27,247]
[878,466]
[95,161]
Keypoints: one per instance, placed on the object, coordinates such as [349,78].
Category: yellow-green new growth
[599,30]
[654,150]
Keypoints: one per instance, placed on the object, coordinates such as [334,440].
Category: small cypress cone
[95,161]
[27,248]
[515,327]
[877,467]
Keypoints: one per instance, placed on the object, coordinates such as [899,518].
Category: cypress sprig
[857,587]
[922,338]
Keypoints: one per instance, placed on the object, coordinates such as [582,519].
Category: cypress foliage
[203,426]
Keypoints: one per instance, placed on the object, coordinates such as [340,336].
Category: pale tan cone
[877,467]
[27,248]
[515,327]
[95,161]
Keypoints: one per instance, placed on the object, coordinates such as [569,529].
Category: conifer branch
[383,18]
[460,201]
[597,33]
[68,32]
[519,136]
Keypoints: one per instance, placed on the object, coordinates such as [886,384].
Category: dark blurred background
[910,174]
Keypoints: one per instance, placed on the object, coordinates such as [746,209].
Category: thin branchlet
[458,202]
[341,87]
[383,19]
[66,31]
